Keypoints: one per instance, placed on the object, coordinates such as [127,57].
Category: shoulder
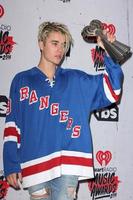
[22,77]
[24,74]
[73,72]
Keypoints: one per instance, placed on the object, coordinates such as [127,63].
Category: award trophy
[118,51]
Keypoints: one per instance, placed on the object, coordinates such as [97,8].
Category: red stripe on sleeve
[12,131]
[116,97]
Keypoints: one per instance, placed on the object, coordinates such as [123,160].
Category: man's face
[54,48]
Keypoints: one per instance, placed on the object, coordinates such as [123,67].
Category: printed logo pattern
[3,187]
[110,113]
[110,28]
[3,105]
[106,182]
[1,11]
[6,42]
[103,157]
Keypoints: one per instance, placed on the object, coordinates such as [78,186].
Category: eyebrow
[55,41]
[58,41]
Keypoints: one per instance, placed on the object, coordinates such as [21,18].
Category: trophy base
[125,58]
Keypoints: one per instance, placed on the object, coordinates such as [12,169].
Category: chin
[57,63]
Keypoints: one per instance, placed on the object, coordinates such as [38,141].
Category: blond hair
[47,27]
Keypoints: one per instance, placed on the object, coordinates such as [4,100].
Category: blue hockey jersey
[47,132]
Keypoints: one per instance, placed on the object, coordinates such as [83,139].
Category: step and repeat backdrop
[112,128]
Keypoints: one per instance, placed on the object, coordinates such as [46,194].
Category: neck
[48,69]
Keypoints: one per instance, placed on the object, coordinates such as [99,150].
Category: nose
[61,48]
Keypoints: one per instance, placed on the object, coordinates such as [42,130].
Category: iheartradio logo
[110,28]
[1,11]
[104,157]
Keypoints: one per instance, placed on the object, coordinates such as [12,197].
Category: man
[47,139]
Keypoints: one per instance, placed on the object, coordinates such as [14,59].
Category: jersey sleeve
[103,89]
[12,133]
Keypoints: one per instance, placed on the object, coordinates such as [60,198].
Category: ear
[41,45]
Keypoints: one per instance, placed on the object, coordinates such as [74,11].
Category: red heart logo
[1,11]
[110,28]
[103,157]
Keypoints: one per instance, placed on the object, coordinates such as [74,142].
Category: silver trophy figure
[118,51]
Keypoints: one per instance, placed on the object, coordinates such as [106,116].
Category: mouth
[59,57]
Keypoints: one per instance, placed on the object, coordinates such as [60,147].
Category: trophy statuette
[118,51]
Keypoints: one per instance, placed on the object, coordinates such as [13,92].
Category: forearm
[113,79]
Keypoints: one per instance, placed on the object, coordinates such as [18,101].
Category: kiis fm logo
[1,11]
[105,184]
[6,42]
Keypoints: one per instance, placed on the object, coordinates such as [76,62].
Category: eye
[55,43]
[65,45]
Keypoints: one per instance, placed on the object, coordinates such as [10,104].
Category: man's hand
[14,180]
[110,37]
